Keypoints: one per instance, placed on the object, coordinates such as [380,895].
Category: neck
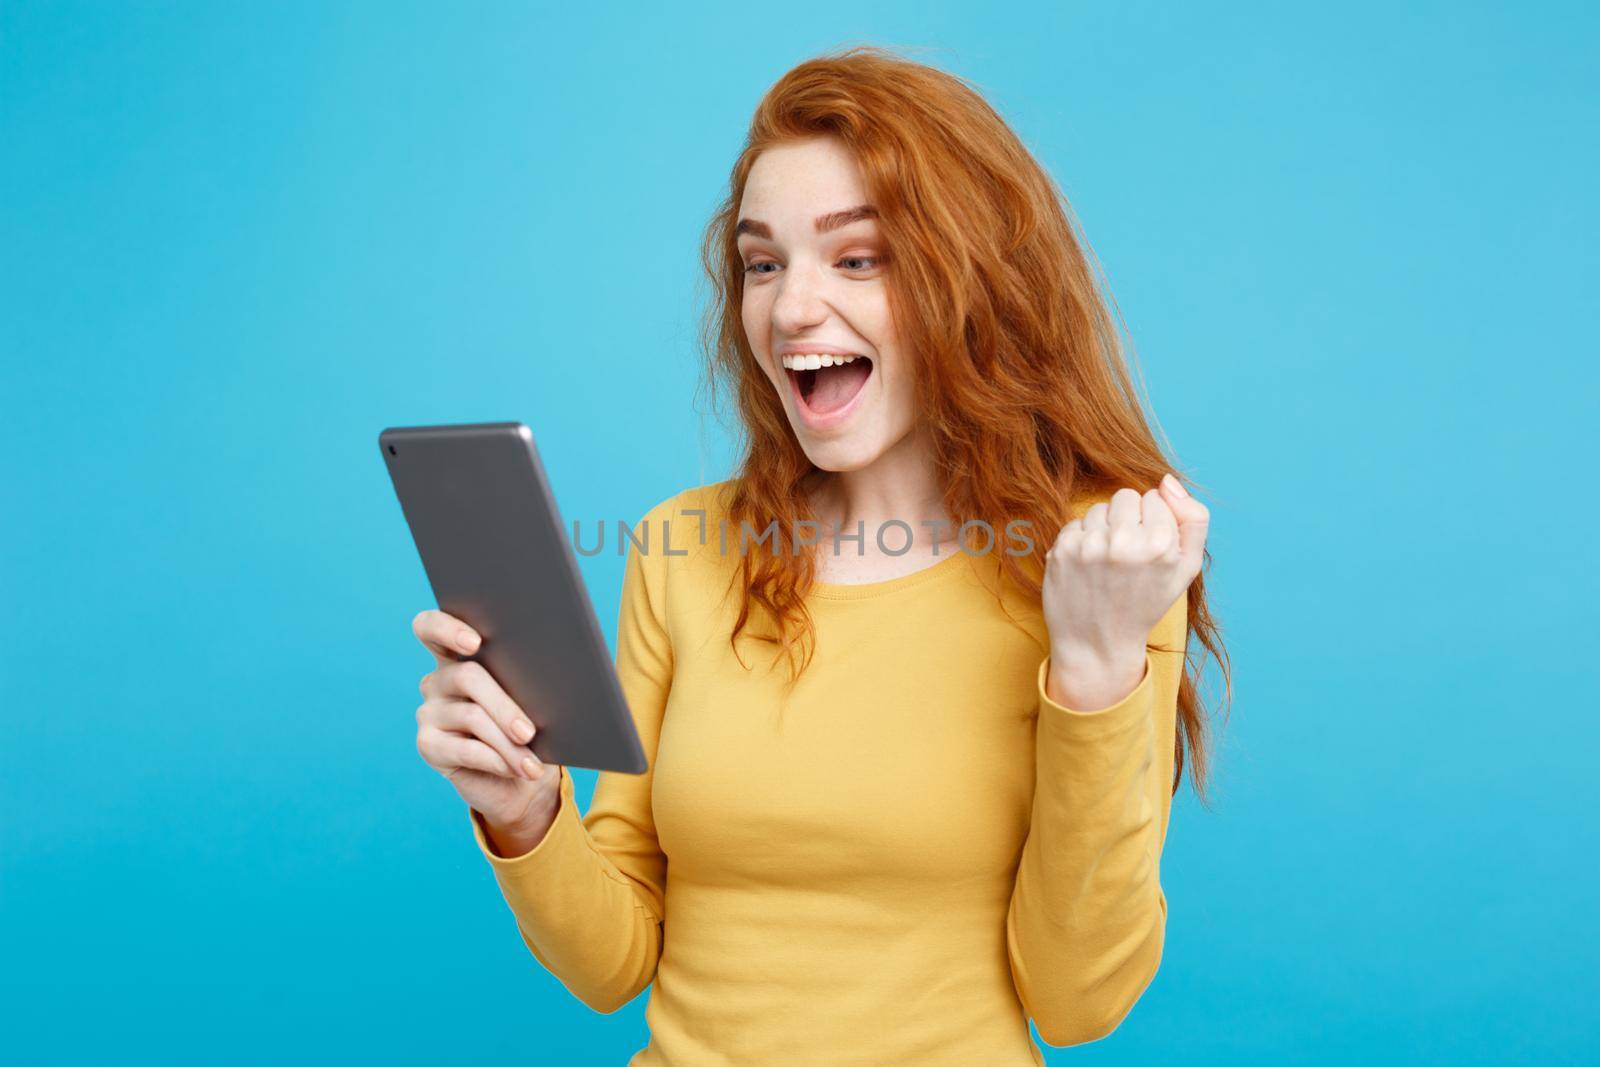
[901,484]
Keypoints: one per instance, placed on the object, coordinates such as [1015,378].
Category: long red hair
[1019,362]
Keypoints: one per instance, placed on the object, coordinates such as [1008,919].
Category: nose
[800,302]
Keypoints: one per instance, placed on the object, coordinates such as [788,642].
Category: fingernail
[1177,486]
[530,768]
[467,640]
[523,729]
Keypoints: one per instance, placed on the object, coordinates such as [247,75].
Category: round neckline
[864,590]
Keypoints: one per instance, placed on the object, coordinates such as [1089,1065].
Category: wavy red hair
[1019,362]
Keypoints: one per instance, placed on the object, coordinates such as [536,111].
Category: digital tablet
[497,556]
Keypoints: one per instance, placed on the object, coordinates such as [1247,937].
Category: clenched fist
[1109,578]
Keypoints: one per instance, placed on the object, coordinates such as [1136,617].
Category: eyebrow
[823,223]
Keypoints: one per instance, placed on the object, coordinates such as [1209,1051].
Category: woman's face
[814,285]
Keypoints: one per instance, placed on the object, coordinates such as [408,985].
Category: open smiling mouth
[824,390]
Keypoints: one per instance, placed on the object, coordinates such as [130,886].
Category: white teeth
[815,361]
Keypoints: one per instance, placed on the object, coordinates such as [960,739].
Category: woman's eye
[751,269]
[867,259]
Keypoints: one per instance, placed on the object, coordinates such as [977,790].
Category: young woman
[909,785]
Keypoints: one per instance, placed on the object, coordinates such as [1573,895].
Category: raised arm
[1088,916]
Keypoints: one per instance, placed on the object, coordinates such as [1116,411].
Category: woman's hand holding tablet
[475,735]
[513,617]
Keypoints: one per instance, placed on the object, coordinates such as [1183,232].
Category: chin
[846,454]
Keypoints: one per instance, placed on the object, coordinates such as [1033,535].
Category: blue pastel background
[1355,246]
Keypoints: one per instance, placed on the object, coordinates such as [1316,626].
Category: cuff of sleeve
[563,831]
[1112,716]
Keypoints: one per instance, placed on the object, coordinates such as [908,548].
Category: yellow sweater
[922,851]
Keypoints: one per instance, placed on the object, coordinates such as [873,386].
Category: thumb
[1194,519]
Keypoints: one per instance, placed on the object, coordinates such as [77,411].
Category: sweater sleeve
[589,899]
[1087,921]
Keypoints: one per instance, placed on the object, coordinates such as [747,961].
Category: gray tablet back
[498,558]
